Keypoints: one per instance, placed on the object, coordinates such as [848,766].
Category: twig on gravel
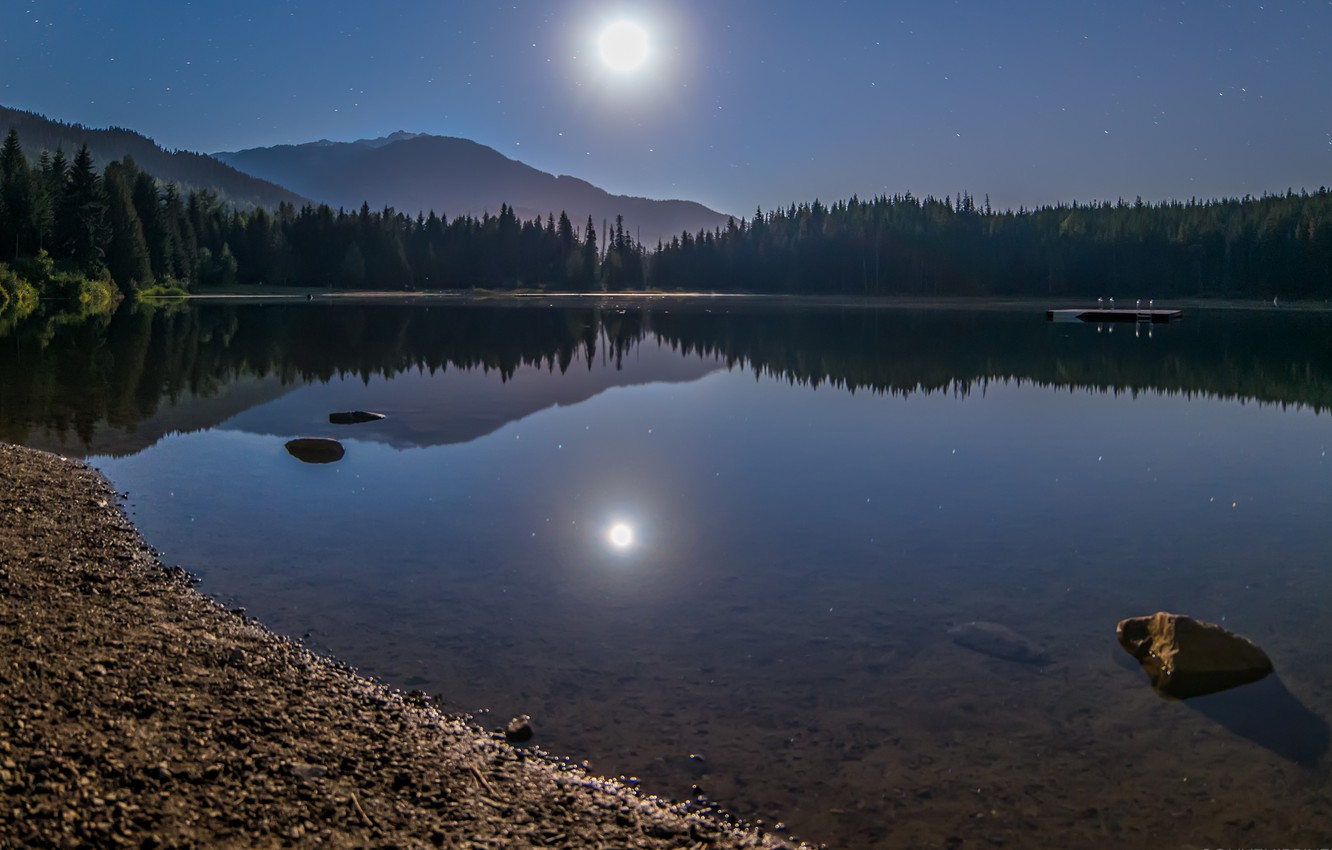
[480,778]
[360,811]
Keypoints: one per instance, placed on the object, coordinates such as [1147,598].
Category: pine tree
[16,212]
[568,239]
[180,254]
[57,183]
[81,226]
[148,206]
[43,202]
[127,256]
[507,245]
[591,265]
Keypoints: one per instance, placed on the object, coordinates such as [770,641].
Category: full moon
[620,535]
[624,46]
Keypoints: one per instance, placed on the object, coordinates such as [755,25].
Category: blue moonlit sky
[741,102]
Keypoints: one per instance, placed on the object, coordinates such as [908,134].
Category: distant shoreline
[478,296]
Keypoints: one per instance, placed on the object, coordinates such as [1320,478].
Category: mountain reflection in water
[115,385]
[743,532]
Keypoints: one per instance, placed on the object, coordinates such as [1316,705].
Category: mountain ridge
[451,175]
[407,171]
[188,169]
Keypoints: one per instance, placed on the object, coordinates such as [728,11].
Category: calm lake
[721,544]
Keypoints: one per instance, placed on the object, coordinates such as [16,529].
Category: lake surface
[815,495]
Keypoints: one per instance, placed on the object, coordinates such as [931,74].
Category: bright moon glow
[624,46]
[621,536]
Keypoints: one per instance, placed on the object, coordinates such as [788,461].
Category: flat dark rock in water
[354,417]
[315,450]
[1185,657]
[999,641]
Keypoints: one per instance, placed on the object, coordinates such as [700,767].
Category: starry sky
[741,103]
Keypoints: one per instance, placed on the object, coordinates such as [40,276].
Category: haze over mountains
[184,168]
[418,173]
[409,172]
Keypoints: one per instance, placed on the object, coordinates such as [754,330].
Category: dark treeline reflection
[65,375]
[1261,356]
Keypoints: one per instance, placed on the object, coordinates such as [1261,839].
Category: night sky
[740,103]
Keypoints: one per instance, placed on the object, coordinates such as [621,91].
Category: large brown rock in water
[1186,658]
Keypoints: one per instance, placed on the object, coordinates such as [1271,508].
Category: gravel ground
[136,712]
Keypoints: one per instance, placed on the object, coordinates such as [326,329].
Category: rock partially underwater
[1185,657]
[354,417]
[519,729]
[999,641]
[315,450]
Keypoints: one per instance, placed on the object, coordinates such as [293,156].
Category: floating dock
[1097,314]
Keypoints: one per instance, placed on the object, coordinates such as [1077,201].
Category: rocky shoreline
[139,713]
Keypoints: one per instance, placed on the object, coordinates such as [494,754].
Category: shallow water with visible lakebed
[719,545]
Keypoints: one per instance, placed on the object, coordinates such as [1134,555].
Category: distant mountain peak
[397,136]
[452,176]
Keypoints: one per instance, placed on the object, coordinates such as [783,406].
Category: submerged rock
[1185,657]
[354,417]
[307,771]
[999,641]
[698,766]
[315,450]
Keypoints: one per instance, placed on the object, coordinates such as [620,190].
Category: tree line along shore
[70,230]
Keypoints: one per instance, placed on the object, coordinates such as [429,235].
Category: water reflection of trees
[1266,357]
[67,374]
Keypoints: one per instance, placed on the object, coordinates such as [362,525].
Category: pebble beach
[139,713]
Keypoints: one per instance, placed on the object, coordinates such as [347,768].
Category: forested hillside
[1265,247]
[64,216]
[419,173]
[186,169]
[123,225]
